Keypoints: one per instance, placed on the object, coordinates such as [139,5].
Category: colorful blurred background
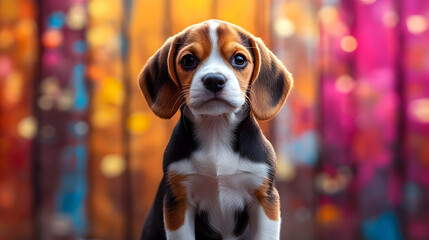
[80,151]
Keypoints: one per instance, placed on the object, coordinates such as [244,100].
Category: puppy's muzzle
[214,82]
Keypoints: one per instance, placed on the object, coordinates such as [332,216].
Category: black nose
[214,82]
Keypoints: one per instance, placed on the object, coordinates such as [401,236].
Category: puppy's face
[214,68]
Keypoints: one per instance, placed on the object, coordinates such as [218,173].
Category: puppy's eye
[239,61]
[189,62]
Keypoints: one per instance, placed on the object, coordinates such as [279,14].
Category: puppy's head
[215,67]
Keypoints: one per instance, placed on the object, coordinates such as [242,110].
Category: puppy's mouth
[215,101]
[214,105]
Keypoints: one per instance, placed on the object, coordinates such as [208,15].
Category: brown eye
[239,61]
[189,62]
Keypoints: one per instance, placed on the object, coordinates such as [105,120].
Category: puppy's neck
[215,132]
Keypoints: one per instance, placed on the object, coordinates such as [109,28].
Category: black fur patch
[251,144]
[277,89]
[273,67]
[203,230]
[182,143]
[241,219]
[153,83]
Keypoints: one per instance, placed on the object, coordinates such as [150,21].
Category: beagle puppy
[219,169]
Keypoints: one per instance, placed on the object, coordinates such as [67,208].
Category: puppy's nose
[214,82]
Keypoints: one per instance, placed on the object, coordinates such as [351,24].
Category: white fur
[261,227]
[186,231]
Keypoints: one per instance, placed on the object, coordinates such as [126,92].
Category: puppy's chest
[221,175]
[220,183]
[212,172]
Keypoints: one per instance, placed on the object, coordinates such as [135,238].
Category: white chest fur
[218,180]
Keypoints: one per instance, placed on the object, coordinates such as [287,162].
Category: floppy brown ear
[271,82]
[158,81]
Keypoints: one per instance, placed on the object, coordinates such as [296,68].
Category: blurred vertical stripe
[18,125]
[62,103]
[107,199]
[295,41]
[414,26]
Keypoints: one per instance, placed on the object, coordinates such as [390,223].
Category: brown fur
[229,43]
[174,215]
[268,200]
[164,103]
[198,44]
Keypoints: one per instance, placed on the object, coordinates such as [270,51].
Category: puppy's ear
[158,80]
[271,82]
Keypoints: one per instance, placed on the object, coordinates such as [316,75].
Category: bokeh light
[416,24]
[12,91]
[27,127]
[368,1]
[80,128]
[52,38]
[349,44]
[47,131]
[76,17]
[286,170]
[45,102]
[284,27]
[6,65]
[138,122]
[112,165]
[51,58]
[419,109]
[344,83]
[99,35]
[328,15]
[328,214]
[65,100]
[390,18]
[56,20]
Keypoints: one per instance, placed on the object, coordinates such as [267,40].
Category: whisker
[180,98]
[183,116]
